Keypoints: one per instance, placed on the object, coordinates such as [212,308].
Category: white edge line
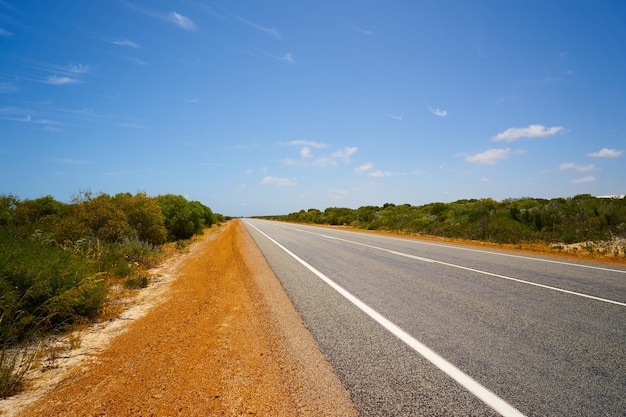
[522,281]
[510,255]
[482,393]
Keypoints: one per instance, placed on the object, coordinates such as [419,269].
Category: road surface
[420,328]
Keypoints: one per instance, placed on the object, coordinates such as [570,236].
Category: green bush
[184,218]
[576,219]
[43,286]
[122,258]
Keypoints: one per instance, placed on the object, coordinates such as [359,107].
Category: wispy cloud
[57,80]
[125,42]
[532,131]
[576,167]
[365,167]
[305,153]
[181,21]
[606,153]
[437,112]
[187,100]
[5,33]
[489,157]
[583,180]
[310,143]
[345,153]
[57,74]
[280,182]
[6,88]
[78,68]
[212,12]
[49,125]
[361,30]
[267,30]
[307,158]
[174,18]
[288,57]
[379,174]
[394,117]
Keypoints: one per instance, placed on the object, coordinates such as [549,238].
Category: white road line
[482,393]
[496,253]
[492,274]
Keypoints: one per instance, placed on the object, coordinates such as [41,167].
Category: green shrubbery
[57,259]
[569,220]
[43,286]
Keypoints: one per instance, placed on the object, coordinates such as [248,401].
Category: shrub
[183,218]
[43,286]
[123,257]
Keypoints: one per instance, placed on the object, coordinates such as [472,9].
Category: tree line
[568,220]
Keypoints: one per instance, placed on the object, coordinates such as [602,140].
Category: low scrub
[43,286]
[580,218]
[58,261]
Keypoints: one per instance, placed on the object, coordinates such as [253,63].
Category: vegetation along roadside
[59,261]
[582,225]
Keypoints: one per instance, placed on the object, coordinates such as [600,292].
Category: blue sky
[268,107]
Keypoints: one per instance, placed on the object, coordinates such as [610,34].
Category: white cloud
[5,33]
[379,174]
[576,167]
[345,153]
[126,42]
[489,157]
[437,112]
[306,152]
[307,158]
[288,57]
[281,182]
[365,167]
[270,31]
[310,143]
[181,21]
[56,80]
[583,180]
[606,153]
[394,117]
[78,68]
[173,17]
[532,131]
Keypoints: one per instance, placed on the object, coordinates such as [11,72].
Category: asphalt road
[416,328]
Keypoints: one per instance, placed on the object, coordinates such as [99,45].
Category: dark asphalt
[543,351]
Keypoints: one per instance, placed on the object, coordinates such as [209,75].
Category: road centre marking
[522,281]
[482,393]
